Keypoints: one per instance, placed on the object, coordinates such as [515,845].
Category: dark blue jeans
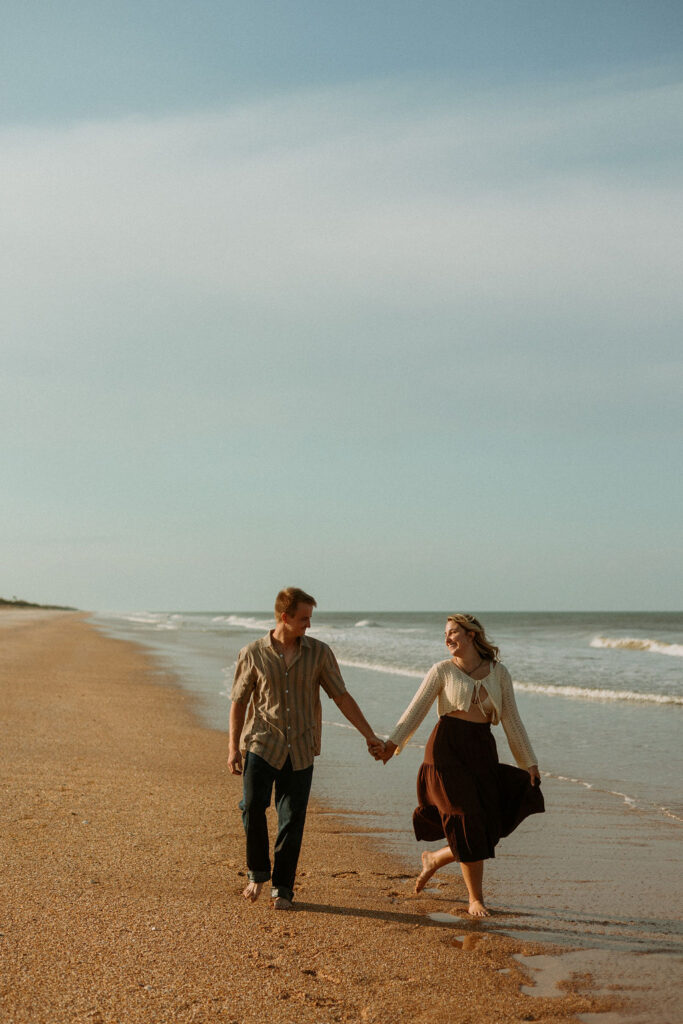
[291,800]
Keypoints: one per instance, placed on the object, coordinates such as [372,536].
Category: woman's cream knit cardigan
[455,690]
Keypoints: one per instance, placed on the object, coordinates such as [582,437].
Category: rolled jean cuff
[281,890]
[258,876]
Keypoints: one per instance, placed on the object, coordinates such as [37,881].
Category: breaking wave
[628,643]
[244,622]
[545,689]
[373,666]
[586,693]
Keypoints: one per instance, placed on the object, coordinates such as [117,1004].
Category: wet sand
[123,862]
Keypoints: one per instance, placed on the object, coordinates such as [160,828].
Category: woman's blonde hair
[471,624]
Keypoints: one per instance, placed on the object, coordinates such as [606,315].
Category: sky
[382,300]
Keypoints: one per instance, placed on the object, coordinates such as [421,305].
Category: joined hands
[381,750]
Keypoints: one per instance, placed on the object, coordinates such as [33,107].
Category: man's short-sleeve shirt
[284,714]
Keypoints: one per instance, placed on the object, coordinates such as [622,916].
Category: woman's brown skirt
[466,795]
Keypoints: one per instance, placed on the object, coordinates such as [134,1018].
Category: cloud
[358,253]
[346,197]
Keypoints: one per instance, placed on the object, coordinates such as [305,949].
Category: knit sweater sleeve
[415,713]
[517,737]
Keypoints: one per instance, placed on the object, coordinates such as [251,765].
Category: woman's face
[458,641]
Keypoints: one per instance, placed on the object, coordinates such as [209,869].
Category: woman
[464,793]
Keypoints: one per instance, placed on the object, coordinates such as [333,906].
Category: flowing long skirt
[466,795]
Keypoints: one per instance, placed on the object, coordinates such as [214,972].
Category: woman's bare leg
[431,862]
[474,876]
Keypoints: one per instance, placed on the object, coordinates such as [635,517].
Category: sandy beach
[123,863]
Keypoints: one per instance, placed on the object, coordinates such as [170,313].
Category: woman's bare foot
[477,909]
[253,891]
[428,869]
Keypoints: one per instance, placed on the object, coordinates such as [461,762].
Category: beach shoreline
[124,866]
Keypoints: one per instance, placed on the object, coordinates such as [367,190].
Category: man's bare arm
[351,711]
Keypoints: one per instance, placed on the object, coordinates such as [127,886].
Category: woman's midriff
[474,713]
[470,716]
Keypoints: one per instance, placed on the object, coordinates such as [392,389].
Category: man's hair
[289,599]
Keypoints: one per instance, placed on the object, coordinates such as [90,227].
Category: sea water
[601,695]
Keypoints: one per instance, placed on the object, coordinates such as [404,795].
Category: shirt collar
[267,641]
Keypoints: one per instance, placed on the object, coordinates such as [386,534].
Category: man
[277,690]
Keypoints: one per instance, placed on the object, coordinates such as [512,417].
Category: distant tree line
[16,603]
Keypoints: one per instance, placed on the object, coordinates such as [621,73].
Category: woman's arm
[415,713]
[517,737]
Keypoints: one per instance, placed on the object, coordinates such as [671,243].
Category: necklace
[468,672]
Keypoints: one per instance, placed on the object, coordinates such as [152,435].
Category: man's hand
[237,713]
[376,747]
[235,762]
[534,775]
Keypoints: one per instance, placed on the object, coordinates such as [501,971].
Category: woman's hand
[534,775]
[389,750]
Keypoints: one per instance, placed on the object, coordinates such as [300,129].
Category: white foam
[158,620]
[670,814]
[584,693]
[245,622]
[630,643]
[568,778]
[630,801]
[146,618]
[373,666]
[546,689]
[367,623]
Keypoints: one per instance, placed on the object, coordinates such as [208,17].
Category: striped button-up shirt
[284,716]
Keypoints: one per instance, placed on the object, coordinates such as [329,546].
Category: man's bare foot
[428,869]
[282,903]
[253,891]
[477,909]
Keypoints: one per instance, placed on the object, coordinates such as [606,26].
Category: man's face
[299,621]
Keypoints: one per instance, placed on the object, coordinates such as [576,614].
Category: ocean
[601,695]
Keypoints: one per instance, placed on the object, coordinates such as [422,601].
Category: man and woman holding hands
[465,795]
